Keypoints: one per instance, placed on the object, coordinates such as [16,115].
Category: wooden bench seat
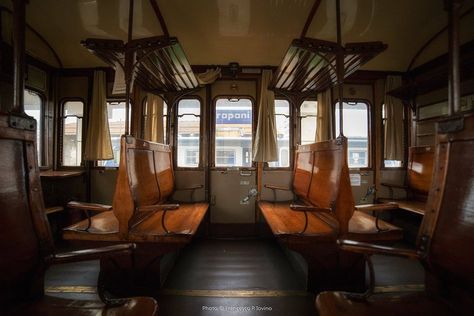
[362,227]
[283,221]
[323,211]
[417,183]
[143,212]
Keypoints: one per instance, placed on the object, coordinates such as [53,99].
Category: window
[71,153]
[34,108]
[188,133]
[165,122]
[308,119]
[356,129]
[388,163]
[233,133]
[282,120]
[116,115]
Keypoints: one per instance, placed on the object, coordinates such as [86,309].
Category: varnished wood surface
[26,243]
[59,174]
[184,221]
[104,226]
[283,221]
[89,206]
[418,207]
[420,168]
[445,242]
[363,227]
[58,306]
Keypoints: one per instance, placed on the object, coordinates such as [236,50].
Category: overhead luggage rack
[309,65]
[158,64]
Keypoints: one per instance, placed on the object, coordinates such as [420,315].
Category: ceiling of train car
[251,32]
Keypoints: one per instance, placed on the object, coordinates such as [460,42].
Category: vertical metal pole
[18,55]
[128,69]
[340,66]
[454,90]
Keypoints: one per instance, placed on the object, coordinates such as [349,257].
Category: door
[232,172]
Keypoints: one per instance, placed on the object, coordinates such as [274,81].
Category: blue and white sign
[233,116]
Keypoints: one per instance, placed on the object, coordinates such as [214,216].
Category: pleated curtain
[265,148]
[98,142]
[325,117]
[153,124]
[393,149]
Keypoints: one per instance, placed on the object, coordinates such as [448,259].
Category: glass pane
[188,129]
[33,108]
[356,129]
[392,163]
[282,119]
[233,144]
[308,111]
[116,115]
[72,133]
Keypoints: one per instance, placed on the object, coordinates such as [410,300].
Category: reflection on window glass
[116,115]
[282,120]
[388,163]
[308,119]
[188,131]
[72,133]
[356,129]
[34,108]
[233,136]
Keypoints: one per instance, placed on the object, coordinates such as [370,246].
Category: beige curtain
[393,149]
[98,142]
[265,144]
[325,117]
[209,76]
[154,119]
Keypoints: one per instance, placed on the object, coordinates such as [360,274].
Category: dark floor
[231,277]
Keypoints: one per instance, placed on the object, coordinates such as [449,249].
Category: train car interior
[236,157]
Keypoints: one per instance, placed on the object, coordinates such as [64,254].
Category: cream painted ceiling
[251,32]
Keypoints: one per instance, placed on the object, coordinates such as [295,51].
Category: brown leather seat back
[420,169]
[448,226]
[24,231]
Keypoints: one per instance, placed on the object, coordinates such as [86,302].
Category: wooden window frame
[61,129]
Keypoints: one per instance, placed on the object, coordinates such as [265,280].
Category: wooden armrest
[397,186]
[89,206]
[377,207]
[92,254]
[309,208]
[159,207]
[371,249]
[199,186]
[276,187]
[53,209]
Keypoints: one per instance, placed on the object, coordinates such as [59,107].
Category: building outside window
[71,147]
[233,133]
[308,119]
[356,129]
[282,120]
[34,108]
[188,133]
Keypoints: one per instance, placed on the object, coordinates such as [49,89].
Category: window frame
[290,141]
[212,120]
[405,138]
[44,165]
[61,129]
[370,164]
[175,132]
